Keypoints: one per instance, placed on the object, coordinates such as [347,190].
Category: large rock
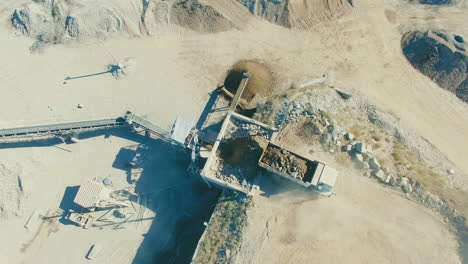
[407,188]
[360,147]
[357,157]
[348,148]
[403,181]
[374,164]
[364,165]
[349,136]
[380,174]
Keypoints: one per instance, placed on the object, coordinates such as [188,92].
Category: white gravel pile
[11,192]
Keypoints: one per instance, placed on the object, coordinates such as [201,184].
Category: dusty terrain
[355,226]
[51,176]
[176,68]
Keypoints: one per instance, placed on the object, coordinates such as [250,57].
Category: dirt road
[363,223]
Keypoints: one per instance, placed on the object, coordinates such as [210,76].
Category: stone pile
[292,111]
[431,201]
[361,154]
[227,173]
[238,129]
[369,164]
[366,161]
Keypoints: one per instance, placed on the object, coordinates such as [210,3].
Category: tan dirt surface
[363,223]
[176,69]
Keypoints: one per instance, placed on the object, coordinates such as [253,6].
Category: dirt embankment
[440,56]
[297,14]
[58,20]
[199,17]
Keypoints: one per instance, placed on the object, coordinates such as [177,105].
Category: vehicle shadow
[271,185]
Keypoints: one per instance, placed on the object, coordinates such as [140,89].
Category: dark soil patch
[240,151]
[244,153]
[434,59]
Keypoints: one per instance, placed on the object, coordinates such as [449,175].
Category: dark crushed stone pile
[436,2]
[449,69]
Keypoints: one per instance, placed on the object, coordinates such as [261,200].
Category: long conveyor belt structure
[134,120]
[129,119]
[61,128]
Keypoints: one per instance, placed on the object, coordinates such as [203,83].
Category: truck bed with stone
[296,168]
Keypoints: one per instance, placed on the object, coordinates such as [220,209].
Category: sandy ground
[48,173]
[363,223]
[176,70]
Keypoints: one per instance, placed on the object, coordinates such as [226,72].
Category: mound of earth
[297,13]
[53,21]
[441,58]
[261,84]
[199,17]
[57,19]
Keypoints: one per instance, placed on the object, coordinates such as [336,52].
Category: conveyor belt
[61,128]
[133,119]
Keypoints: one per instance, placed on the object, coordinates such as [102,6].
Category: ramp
[132,119]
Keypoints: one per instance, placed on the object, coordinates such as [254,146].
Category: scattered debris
[316,82]
[33,221]
[94,251]
[360,147]
[81,220]
[123,68]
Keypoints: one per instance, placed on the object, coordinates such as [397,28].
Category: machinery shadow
[209,108]
[182,204]
[271,185]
